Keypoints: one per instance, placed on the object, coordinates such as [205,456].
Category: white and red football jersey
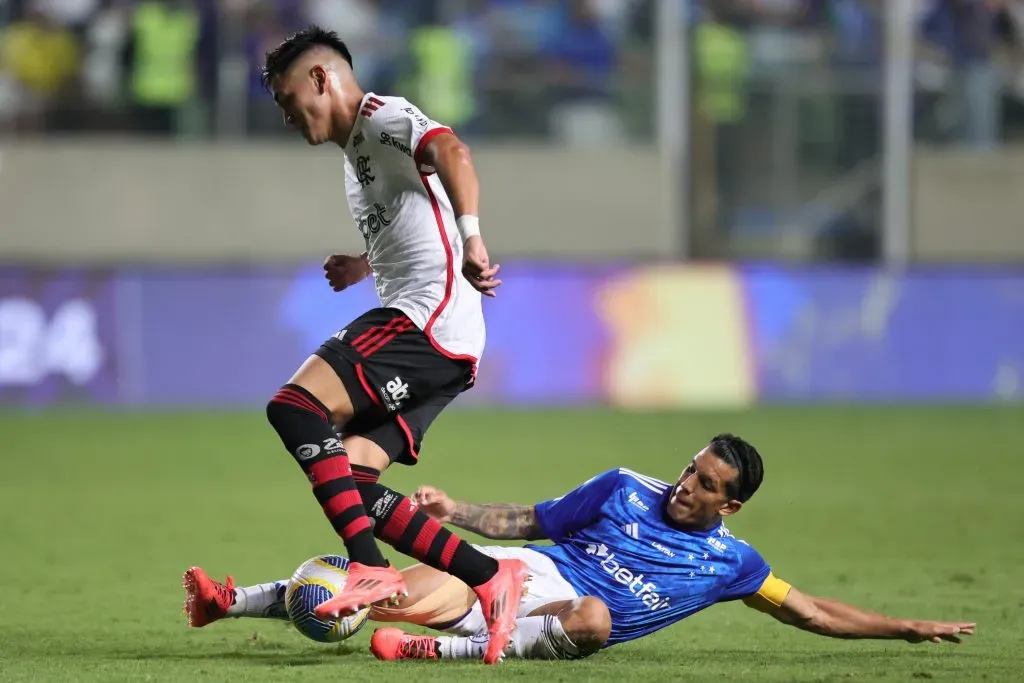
[403,213]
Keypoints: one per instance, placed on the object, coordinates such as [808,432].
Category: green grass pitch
[912,511]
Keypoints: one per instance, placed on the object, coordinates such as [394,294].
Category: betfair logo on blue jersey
[647,593]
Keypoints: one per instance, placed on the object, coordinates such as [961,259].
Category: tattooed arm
[505,521]
[498,520]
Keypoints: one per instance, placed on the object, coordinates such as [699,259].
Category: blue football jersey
[613,541]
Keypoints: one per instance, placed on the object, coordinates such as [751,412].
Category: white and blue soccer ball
[317,580]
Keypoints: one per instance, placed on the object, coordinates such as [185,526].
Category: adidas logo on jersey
[633,530]
[647,592]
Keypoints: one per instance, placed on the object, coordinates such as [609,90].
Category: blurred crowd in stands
[570,70]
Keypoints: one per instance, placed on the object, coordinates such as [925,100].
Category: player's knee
[284,408]
[277,411]
[295,399]
[588,625]
[293,412]
[594,618]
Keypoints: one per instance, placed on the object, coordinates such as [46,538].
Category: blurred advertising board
[58,332]
[558,334]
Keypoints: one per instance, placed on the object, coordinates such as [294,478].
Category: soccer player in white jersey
[631,555]
[384,377]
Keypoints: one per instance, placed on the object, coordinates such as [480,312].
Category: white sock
[534,638]
[470,624]
[265,600]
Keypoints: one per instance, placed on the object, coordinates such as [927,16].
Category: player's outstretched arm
[506,521]
[454,164]
[835,619]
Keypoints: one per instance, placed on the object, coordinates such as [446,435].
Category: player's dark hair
[294,46]
[740,455]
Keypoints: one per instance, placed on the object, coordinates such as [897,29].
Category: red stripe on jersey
[421,146]
[449,274]
[378,102]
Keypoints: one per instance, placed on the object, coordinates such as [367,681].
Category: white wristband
[469,226]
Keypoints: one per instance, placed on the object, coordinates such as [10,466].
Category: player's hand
[435,503]
[938,631]
[477,268]
[343,271]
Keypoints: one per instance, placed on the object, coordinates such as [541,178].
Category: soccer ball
[315,581]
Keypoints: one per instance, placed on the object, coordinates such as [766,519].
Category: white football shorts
[545,586]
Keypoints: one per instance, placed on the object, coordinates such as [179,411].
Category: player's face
[699,497]
[304,101]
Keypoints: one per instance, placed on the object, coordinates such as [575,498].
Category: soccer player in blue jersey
[630,555]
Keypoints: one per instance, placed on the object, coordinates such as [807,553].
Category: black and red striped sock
[411,531]
[303,423]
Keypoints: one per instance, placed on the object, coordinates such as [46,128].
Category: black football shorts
[397,381]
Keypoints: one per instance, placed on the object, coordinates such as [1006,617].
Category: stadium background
[711,215]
